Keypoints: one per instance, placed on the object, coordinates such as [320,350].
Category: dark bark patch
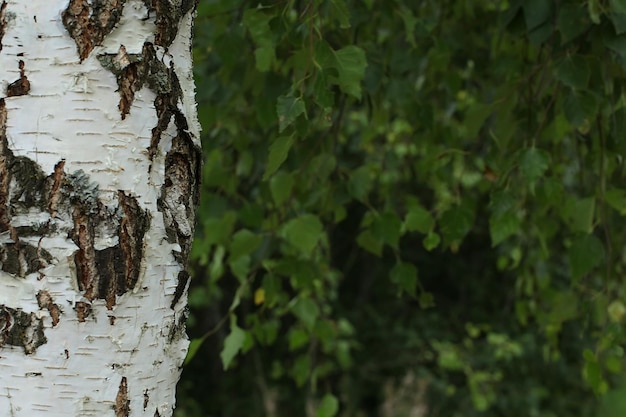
[122,400]
[3,7]
[86,213]
[177,331]
[146,399]
[181,286]
[5,160]
[168,15]
[179,194]
[85,257]
[44,299]
[89,22]
[83,310]
[134,224]
[21,86]
[21,259]
[21,329]
[112,271]
[133,71]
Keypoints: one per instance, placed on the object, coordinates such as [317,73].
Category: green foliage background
[409,206]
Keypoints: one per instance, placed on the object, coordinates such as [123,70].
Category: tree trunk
[99,159]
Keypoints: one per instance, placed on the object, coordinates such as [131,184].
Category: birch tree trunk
[99,159]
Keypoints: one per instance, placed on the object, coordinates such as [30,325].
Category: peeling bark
[88,22]
[3,7]
[122,402]
[44,299]
[18,328]
[21,86]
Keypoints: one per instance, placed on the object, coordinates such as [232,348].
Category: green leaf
[281,186]
[536,12]
[301,369]
[455,223]
[618,6]
[193,348]
[579,214]
[585,254]
[279,150]
[418,219]
[233,342]
[580,107]
[410,21]
[617,44]
[288,108]
[264,56]
[257,23]
[329,406]
[244,242]
[306,311]
[475,118]
[349,62]
[502,226]
[340,12]
[616,198]
[367,241]
[534,163]
[386,228]
[573,21]
[616,311]
[593,375]
[573,71]
[298,338]
[404,275]
[594,10]
[431,241]
[360,183]
[351,65]
[303,233]
[240,266]
[564,306]
[619,22]
[322,165]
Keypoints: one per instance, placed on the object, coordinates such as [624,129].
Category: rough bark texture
[99,169]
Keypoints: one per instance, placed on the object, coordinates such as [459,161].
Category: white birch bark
[99,153]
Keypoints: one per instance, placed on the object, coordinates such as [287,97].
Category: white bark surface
[122,359]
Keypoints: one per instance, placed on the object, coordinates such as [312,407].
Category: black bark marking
[89,22]
[21,86]
[122,400]
[181,286]
[21,329]
[3,22]
[177,331]
[146,399]
[132,71]
[168,16]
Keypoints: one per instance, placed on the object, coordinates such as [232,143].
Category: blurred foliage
[409,208]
